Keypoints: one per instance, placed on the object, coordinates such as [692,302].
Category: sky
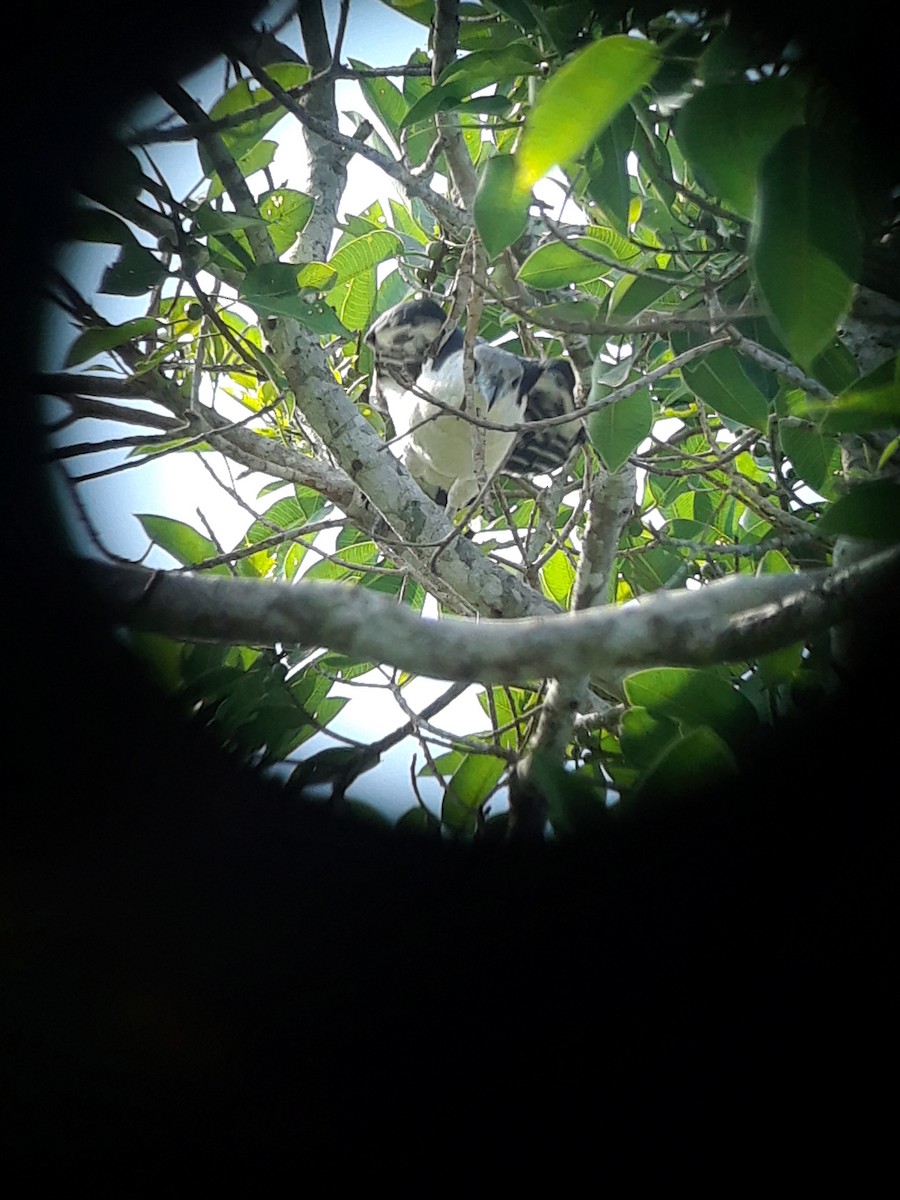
[178,486]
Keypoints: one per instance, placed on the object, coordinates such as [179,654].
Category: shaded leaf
[134,272]
[644,735]
[870,404]
[271,290]
[697,760]
[608,179]
[720,381]
[617,429]
[805,242]
[814,456]
[870,510]
[692,698]
[726,129]
[97,341]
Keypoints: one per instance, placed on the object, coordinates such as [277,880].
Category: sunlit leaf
[558,578]
[180,540]
[577,103]
[363,252]
[286,213]
[385,99]
[501,213]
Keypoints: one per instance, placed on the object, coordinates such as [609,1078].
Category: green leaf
[472,783]
[243,139]
[692,698]
[95,225]
[558,578]
[483,68]
[580,100]
[576,803]
[97,341]
[385,99]
[835,367]
[501,212]
[609,183]
[805,244]
[185,544]
[476,777]
[435,100]
[571,310]
[361,253]
[726,129]
[870,404]
[271,290]
[697,760]
[134,272]
[651,570]
[635,293]
[354,299]
[721,382]
[518,11]
[406,223]
[814,456]
[617,429]
[644,736]
[325,767]
[286,212]
[558,264]
[418,821]
[870,510]
[418,143]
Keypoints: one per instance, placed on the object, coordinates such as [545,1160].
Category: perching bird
[416,357]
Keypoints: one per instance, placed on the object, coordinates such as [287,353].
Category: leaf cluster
[710,222]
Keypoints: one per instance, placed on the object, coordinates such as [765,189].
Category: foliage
[697,273]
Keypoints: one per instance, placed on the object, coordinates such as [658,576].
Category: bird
[419,355]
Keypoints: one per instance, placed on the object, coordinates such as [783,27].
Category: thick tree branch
[726,621]
[446,37]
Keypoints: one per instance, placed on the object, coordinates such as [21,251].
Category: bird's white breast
[444,446]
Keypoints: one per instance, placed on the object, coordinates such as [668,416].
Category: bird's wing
[551,394]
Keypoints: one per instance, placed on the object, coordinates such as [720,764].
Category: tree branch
[726,621]
[612,503]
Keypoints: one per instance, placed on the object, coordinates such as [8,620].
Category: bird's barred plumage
[416,357]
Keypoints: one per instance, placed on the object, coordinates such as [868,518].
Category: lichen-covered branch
[726,621]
